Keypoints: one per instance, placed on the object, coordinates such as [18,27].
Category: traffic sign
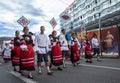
[83,29]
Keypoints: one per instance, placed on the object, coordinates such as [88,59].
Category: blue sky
[38,12]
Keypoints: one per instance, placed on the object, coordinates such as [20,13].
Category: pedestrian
[41,48]
[6,52]
[15,50]
[64,46]
[50,49]
[75,53]
[88,54]
[56,54]
[96,47]
[27,53]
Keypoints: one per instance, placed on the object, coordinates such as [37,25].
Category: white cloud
[39,12]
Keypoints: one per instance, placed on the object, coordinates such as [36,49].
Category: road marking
[105,67]
[26,80]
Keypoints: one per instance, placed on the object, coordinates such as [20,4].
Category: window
[95,1]
[90,18]
[93,9]
[81,17]
[110,1]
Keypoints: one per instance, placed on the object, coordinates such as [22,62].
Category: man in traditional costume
[41,48]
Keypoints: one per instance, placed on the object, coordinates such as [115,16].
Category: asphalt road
[106,71]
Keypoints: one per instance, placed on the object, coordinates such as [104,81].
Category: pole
[100,34]
[118,32]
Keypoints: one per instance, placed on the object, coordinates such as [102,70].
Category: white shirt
[49,45]
[95,43]
[63,42]
[41,40]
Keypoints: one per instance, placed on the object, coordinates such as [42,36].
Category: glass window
[95,1]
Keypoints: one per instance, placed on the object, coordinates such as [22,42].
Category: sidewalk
[107,55]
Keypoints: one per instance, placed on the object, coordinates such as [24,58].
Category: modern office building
[88,12]
[101,17]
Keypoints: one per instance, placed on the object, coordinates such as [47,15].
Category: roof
[69,6]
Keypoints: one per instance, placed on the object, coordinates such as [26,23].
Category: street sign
[53,22]
[83,29]
[23,21]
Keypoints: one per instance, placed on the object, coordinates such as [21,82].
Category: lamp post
[99,22]
[83,28]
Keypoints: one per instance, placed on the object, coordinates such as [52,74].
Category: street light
[99,22]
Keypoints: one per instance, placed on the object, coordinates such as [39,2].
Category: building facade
[84,12]
[101,17]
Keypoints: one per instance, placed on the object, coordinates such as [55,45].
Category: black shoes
[49,73]
[88,61]
[59,68]
[30,76]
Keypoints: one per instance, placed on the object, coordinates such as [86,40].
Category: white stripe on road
[26,80]
[105,67]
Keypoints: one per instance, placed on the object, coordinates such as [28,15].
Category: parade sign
[53,22]
[65,17]
[23,21]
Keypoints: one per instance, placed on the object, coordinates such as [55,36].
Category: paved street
[106,71]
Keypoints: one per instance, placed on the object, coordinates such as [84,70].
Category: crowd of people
[53,50]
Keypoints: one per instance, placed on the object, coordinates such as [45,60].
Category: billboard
[109,39]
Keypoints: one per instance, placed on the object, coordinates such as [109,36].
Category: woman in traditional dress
[56,54]
[75,54]
[88,54]
[6,53]
[15,52]
[27,53]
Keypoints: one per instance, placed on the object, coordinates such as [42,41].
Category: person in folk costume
[56,54]
[75,54]
[50,48]
[64,46]
[41,48]
[15,52]
[88,54]
[83,46]
[27,53]
[77,36]
[6,53]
